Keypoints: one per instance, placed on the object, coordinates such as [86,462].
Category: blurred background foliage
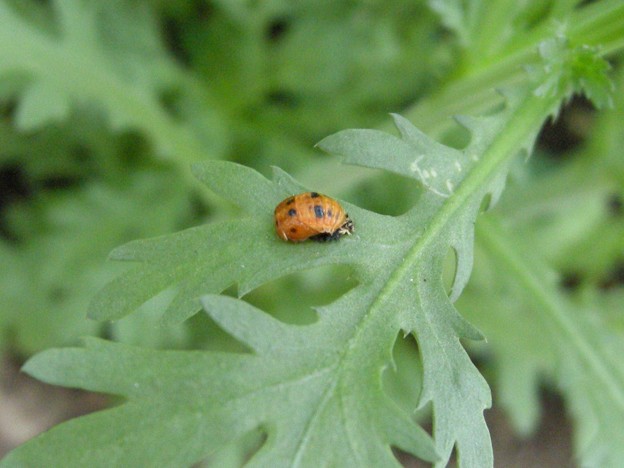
[104,106]
[86,168]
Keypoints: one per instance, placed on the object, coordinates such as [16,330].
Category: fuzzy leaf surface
[340,358]
[341,411]
[292,391]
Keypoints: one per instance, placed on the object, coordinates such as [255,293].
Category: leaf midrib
[524,121]
[521,125]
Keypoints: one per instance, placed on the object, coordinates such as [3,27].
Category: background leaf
[103,106]
[400,288]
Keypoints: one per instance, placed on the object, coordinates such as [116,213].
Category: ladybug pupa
[313,216]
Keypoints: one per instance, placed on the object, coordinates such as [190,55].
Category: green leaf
[315,390]
[576,69]
[541,261]
[319,392]
[106,57]
[399,265]
[311,412]
[552,337]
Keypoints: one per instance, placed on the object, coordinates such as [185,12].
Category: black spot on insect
[318,211]
[290,201]
[314,195]
[293,230]
[330,213]
[292,212]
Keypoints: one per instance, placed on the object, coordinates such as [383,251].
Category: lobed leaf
[398,262]
[296,389]
[315,390]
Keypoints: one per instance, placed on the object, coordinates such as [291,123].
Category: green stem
[600,24]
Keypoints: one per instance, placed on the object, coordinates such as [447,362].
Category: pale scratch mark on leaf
[424,174]
[449,186]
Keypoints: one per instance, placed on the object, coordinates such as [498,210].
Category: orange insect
[311,215]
